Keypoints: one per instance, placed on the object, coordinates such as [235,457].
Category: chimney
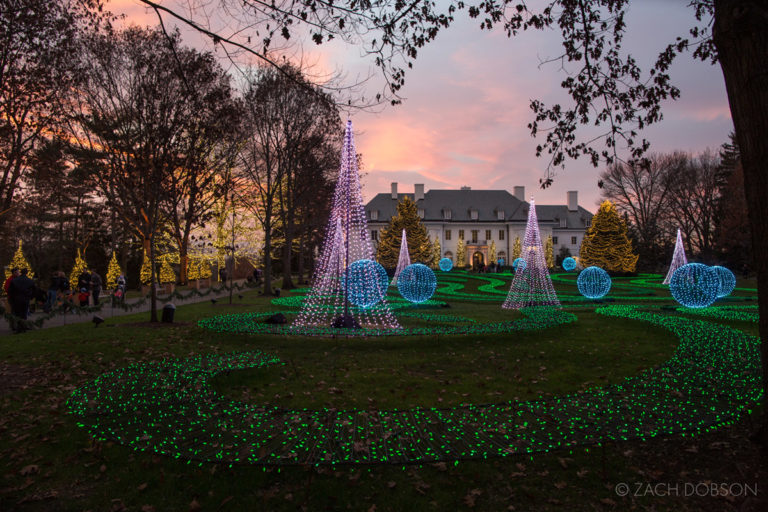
[394,190]
[573,200]
[520,193]
[418,192]
[465,187]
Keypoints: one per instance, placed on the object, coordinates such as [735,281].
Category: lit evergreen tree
[549,252]
[437,252]
[492,252]
[605,244]
[461,254]
[167,275]
[193,267]
[113,272]
[517,249]
[20,262]
[80,267]
[205,268]
[419,247]
[145,275]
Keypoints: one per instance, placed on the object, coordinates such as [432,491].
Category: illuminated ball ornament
[593,282]
[519,264]
[416,283]
[727,281]
[694,285]
[368,282]
[569,264]
[446,264]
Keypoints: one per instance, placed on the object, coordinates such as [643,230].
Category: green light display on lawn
[169,408]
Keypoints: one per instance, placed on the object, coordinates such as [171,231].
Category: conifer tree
[20,262]
[517,249]
[549,252]
[419,247]
[145,275]
[167,275]
[205,268]
[193,268]
[605,244]
[437,252]
[113,272]
[80,267]
[492,252]
[461,254]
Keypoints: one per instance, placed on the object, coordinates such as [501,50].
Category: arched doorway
[478,261]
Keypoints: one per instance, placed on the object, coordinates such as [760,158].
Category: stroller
[118,297]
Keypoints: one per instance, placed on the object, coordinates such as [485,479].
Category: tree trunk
[147,242]
[300,262]
[740,34]
[183,262]
[267,258]
[287,256]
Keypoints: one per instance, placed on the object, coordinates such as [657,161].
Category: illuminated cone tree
[346,241]
[606,244]
[19,262]
[678,257]
[531,285]
[403,260]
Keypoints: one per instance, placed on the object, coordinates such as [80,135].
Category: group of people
[22,291]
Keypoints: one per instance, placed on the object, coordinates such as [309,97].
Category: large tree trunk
[267,258]
[287,257]
[147,242]
[741,37]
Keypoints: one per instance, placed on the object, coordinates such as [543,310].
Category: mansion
[480,217]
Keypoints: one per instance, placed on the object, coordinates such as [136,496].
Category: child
[83,297]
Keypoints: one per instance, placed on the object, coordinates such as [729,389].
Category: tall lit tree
[678,258]
[113,271]
[437,254]
[549,252]
[492,252]
[20,262]
[407,219]
[404,259]
[605,243]
[79,267]
[517,249]
[461,254]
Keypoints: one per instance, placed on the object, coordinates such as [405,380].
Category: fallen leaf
[561,485]
[147,508]
[372,508]
[29,470]
[391,484]
[194,506]
[142,486]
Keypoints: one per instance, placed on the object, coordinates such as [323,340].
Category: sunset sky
[464,118]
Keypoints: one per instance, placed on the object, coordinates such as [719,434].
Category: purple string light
[532,285]
[346,241]
[678,258]
[403,260]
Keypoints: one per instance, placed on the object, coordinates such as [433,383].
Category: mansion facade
[480,217]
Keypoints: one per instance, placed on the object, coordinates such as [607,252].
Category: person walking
[7,286]
[84,281]
[96,284]
[53,291]
[20,292]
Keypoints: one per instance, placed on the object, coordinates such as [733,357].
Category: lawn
[49,463]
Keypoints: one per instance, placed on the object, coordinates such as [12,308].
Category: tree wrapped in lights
[407,219]
[80,267]
[404,259]
[678,257]
[461,254]
[605,244]
[193,268]
[113,272]
[167,275]
[437,253]
[492,252]
[19,262]
[346,241]
[517,249]
[549,252]
[532,285]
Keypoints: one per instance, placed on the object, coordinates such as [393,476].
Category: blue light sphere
[446,264]
[501,262]
[519,264]
[727,281]
[368,283]
[694,285]
[416,283]
[593,282]
[569,264]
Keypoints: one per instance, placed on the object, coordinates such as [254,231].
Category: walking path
[107,311]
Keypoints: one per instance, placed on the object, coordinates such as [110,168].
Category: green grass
[49,463]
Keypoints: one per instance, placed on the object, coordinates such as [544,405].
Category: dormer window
[473,214]
[446,214]
[562,223]
[421,213]
[500,214]
[374,214]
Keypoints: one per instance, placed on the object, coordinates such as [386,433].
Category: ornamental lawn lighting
[569,264]
[694,285]
[446,264]
[727,281]
[593,282]
[417,283]
[519,264]
[367,285]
